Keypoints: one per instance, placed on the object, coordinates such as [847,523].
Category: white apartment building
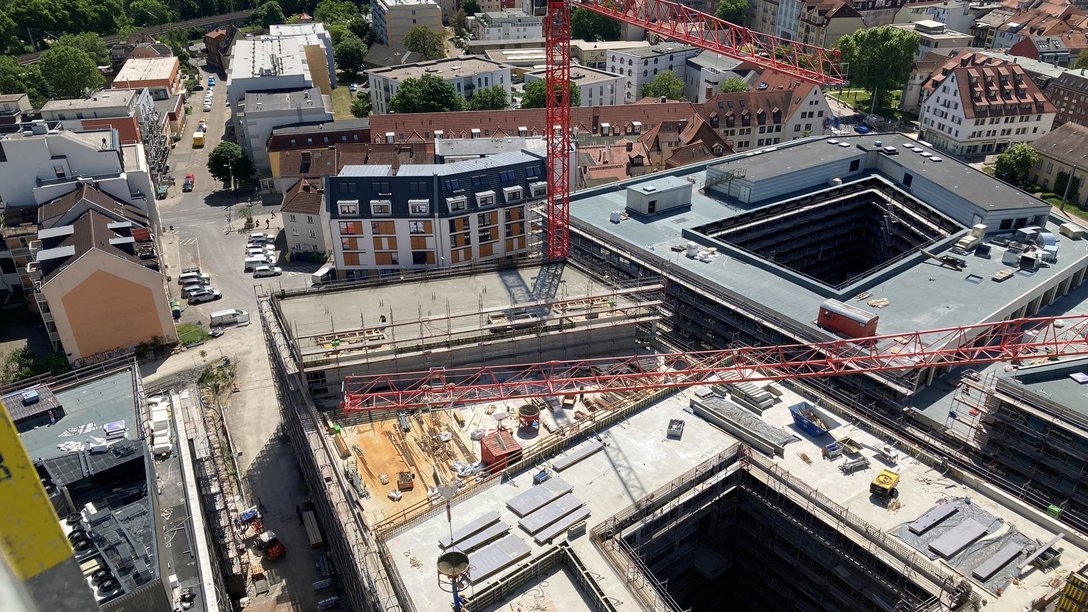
[309,34]
[261,112]
[392,19]
[466,74]
[595,87]
[305,220]
[973,108]
[641,65]
[268,64]
[506,25]
[934,37]
[705,73]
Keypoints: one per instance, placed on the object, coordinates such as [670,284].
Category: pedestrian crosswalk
[187,241]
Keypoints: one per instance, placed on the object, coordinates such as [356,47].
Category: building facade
[507,25]
[261,113]
[311,34]
[269,64]
[595,87]
[1069,93]
[392,19]
[161,76]
[973,106]
[595,54]
[641,65]
[305,222]
[1064,151]
[934,37]
[466,74]
[432,216]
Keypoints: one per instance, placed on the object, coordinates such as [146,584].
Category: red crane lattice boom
[670,20]
[1010,341]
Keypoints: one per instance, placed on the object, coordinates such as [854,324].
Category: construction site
[500,393]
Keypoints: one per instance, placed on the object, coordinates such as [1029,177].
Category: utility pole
[1068,182]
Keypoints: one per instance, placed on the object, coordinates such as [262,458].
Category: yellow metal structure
[30,536]
[884,484]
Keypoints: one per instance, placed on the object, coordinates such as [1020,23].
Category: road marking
[187,241]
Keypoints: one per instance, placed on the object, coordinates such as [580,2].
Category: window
[313,234]
[907,179]
[512,194]
[351,228]
[383,187]
[485,235]
[419,207]
[479,180]
[294,232]
[309,219]
[539,189]
[507,176]
[349,207]
[855,164]
[457,203]
[417,187]
[417,227]
[292,217]
[453,185]
[536,171]
[381,207]
[485,198]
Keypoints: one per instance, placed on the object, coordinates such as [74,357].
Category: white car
[261,237]
[207,108]
[257,251]
[262,271]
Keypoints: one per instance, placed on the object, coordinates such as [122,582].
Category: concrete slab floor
[553,592]
[637,460]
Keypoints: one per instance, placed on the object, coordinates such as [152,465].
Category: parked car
[206,294]
[190,180]
[861,128]
[187,291]
[262,271]
[251,263]
[260,236]
[208,108]
[211,81]
[353,88]
[198,87]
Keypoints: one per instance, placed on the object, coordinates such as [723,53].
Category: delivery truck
[198,139]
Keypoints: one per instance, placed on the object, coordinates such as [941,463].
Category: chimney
[630,146]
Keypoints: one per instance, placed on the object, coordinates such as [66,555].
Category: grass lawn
[341,103]
[1056,200]
[862,101]
[191,333]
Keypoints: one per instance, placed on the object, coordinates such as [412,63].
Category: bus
[198,139]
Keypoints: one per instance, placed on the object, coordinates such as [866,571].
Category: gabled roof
[90,231]
[987,86]
[305,197]
[331,159]
[1067,143]
[88,196]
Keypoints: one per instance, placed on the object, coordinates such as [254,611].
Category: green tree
[471,7]
[1074,188]
[360,107]
[350,54]
[426,42]
[228,160]
[150,12]
[664,85]
[426,94]
[1015,163]
[733,11]
[69,72]
[335,11]
[362,27]
[269,14]
[879,59]
[733,85]
[460,22]
[489,98]
[1082,60]
[337,32]
[591,26]
[10,36]
[535,91]
[16,78]
[89,42]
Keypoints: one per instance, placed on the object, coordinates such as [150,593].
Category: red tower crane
[670,20]
[1014,340]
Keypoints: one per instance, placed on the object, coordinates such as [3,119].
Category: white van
[323,275]
[253,262]
[229,317]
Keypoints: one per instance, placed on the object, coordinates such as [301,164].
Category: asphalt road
[202,236]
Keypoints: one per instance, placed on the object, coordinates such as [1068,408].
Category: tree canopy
[426,94]
[879,59]
[425,41]
[664,85]
[16,78]
[1015,163]
[228,159]
[68,72]
[349,54]
[489,98]
[591,26]
[733,11]
[1081,61]
[86,41]
[471,7]
[360,107]
[151,12]
[335,11]
[733,85]
[269,14]
[535,91]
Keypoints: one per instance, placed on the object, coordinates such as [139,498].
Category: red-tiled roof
[305,197]
[988,86]
[331,159]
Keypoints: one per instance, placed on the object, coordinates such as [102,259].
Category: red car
[188,184]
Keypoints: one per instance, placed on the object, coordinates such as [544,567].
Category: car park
[252,263]
[188,275]
[206,294]
[263,271]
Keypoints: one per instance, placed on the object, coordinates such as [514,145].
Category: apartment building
[217,46]
[96,275]
[640,65]
[823,22]
[305,223]
[432,216]
[1060,50]
[595,54]
[935,37]
[976,105]
[466,74]
[285,140]
[392,19]
[161,76]
[595,87]
[311,35]
[262,112]
[273,64]
[705,73]
[12,107]
[1069,93]
[507,25]
[1063,151]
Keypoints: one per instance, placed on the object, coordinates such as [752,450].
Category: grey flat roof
[281,100]
[922,296]
[655,50]
[87,406]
